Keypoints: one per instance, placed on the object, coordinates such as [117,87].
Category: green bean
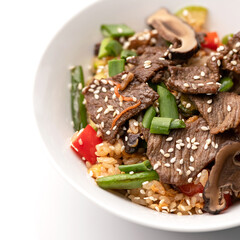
[148,116]
[177,123]
[113,48]
[167,103]
[226,38]
[226,84]
[138,167]
[128,53]
[79,114]
[115,66]
[160,125]
[116,30]
[102,50]
[126,180]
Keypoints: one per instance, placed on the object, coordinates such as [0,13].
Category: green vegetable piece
[102,50]
[148,117]
[167,103]
[226,38]
[116,30]
[138,167]
[227,84]
[128,53]
[115,66]
[126,181]
[177,123]
[79,113]
[160,125]
[187,111]
[113,48]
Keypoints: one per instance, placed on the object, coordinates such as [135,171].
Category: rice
[154,194]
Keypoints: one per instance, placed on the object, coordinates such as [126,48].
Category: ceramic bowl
[73,45]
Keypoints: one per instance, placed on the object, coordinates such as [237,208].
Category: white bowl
[74,45]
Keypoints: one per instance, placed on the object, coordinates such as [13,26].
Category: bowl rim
[206,228]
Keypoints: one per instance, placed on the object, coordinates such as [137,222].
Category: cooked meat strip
[150,62]
[230,54]
[103,106]
[195,79]
[221,111]
[181,155]
[236,81]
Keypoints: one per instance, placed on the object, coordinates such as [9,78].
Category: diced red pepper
[191,189]
[228,199]
[211,41]
[84,144]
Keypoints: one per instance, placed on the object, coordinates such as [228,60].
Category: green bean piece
[113,48]
[160,125]
[138,167]
[226,84]
[102,50]
[148,116]
[79,113]
[116,30]
[128,53]
[167,103]
[126,180]
[226,38]
[177,123]
[115,66]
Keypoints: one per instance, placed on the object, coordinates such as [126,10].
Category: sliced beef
[195,79]
[236,81]
[230,54]
[103,106]
[150,62]
[222,111]
[181,155]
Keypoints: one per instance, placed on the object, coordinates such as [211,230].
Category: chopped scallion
[227,84]
[115,66]
[103,51]
[113,48]
[128,53]
[116,30]
[160,125]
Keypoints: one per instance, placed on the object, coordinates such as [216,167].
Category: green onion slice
[103,51]
[128,53]
[116,30]
[113,48]
[115,66]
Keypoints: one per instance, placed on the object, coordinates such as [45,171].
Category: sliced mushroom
[224,176]
[174,30]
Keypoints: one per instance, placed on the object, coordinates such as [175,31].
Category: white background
[35,201]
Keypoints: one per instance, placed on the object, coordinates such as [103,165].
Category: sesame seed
[193,140]
[96,82]
[162,151]
[181,161]
[147,62]
[162,58]
[153,40]
[135,124]
[202,73]
[155,166]
[98,116]
[114,128]
[108,132]
[235,50]
[204,128]
[188,145]
[167,155]
[190,180]
[216,146]
[200,84]
[191,168]
[169,139]
[134,99]
[178,146]
[186,85]
[229,108]
[96,96]
[91,90]
[188,172]
[142,191]
[106,99]
[144,183]
[126,138]
[179,171]
[173,160]
[199,175]
[104,81]
[96,91]
[213,58]
[206,146]
[111,83]
[92,86]
[220,48]
[106,111]
[209,101]
[119,30]
[102,124]
[209,109]
[179,141]
[194,86]
[170,150]
[196,77]
[104,89]
[124,76]
[234,63]
[147,66]
[182,144]
[154,31]
[100,109]
[84,101]
[194,147]
[218,62]
[188,139]
[165,54]
[188,105]
[192,159]
[131,172]
[80,141]
[167,164]
[224,57]
[83,158]
[210,83]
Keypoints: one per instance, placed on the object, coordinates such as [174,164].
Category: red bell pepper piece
[211,41]
[228,199]
[84,144]
[191,189]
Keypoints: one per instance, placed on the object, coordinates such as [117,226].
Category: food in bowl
[159,120]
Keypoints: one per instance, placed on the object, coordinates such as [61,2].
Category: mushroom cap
[224,176]
[174,30]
